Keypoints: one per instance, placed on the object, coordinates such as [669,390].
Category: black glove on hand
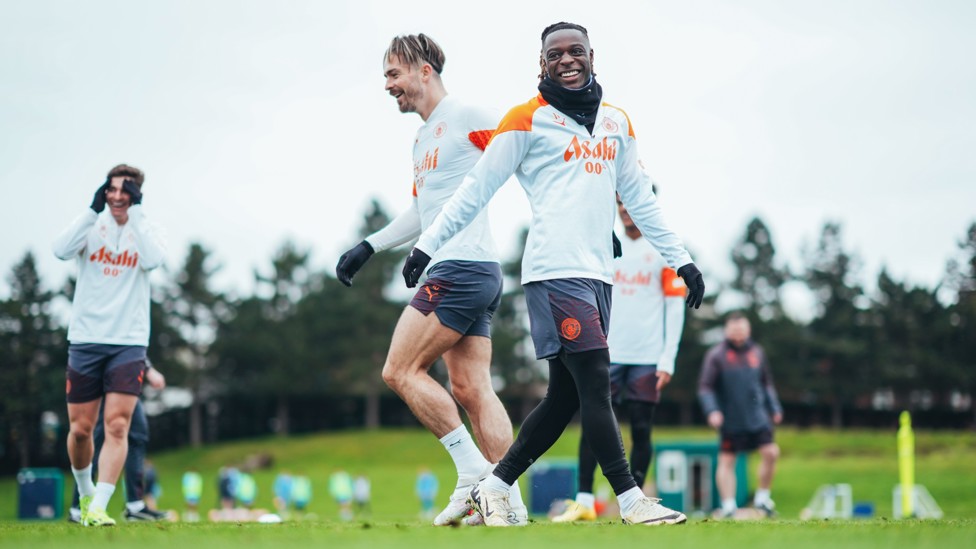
[135,195]
[414,266]
[696,286]
[618,251]
[98,203]
[353,260]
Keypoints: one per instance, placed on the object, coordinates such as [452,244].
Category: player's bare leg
[81,418]
[768,454]
[725,481]
[118,415]
[81,448]
[418,341]
[468,365]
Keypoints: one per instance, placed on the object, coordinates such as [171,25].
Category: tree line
[302,345]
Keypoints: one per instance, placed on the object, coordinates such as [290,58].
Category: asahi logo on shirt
[601,150]
[421,168]
[640,278]
[114,263]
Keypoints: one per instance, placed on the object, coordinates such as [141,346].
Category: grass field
[946,464]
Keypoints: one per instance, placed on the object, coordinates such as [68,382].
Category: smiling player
[109,329]
[571,152]
[464,283]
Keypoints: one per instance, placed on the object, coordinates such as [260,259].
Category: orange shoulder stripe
[520,117]
[630,125]
[671,283]
[480,138]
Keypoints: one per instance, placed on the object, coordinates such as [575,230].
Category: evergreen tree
[961,280]
[195,311]
[758,278]
[838,348]
[33,352]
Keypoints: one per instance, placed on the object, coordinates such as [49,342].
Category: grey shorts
[463,294]
[95,369]
[633,382]
[568,314]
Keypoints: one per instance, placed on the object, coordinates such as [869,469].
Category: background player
[109,329]
[737,395]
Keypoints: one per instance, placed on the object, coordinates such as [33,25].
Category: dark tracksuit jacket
[738,383]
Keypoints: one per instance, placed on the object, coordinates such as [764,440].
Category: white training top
[111,302]
[570,178]
[648,311]
[446,147]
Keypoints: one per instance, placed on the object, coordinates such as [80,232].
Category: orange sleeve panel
[480,138]
[630,126]
[671,283]
[520,117]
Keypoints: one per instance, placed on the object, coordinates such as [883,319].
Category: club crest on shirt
[610,125]
[440,130]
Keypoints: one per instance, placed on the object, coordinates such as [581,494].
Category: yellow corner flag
[906,464]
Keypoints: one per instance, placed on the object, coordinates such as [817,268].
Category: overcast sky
[261,121]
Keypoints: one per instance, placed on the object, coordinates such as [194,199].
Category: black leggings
[577,381]
[641,416]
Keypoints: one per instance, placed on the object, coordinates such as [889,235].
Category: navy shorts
[463,294]
[637,382]
[745,442]
[568,314]
[95,369]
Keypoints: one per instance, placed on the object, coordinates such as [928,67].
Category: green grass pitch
[392,458]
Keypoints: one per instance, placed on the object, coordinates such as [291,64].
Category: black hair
[561,26]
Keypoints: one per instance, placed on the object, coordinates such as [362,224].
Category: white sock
[467,457]
[515,495]
[586,499]
[496,484]
[762,496]
[135,506]
[83,478]
[103,493]
[629,499]
[729,505]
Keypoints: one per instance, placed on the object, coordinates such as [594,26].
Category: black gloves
[618,251]
[135,195]
[696,286]
[414,266]
[98,203]
[353,260]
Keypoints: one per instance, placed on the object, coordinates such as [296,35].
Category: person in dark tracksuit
[739,400]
